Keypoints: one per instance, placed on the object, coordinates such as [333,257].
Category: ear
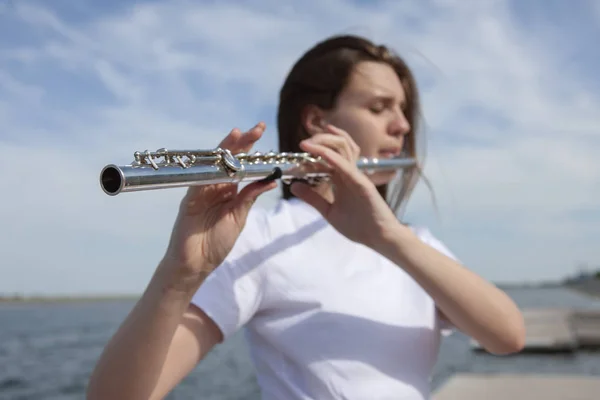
[313,119]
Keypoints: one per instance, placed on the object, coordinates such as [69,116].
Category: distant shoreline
[64,299]
[588,287]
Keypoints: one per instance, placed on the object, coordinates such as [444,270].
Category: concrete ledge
[519,387]
[586,327]
[558,330]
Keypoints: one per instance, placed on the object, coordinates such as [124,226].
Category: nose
[399,125]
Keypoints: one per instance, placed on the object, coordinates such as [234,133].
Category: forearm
[473,305]
[133,359]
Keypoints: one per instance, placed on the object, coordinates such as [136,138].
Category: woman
[338,297]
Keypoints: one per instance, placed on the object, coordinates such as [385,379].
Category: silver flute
[164,168]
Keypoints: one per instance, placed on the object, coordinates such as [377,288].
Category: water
[47,351]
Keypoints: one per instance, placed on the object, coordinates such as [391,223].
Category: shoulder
[422,232]
[427,236]
[266,222]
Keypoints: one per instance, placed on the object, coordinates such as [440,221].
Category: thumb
[304,192]
[247,197]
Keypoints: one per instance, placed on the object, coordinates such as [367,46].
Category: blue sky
[510,96]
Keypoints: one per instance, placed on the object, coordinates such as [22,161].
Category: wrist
[178,280]
[393,239]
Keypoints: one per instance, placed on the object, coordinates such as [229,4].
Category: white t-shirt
[325,317]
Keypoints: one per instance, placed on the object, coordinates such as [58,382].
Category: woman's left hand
[357,210]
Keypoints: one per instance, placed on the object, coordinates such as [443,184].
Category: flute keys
[270,157]
[230,161]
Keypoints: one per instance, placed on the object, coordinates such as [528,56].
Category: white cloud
[512,135]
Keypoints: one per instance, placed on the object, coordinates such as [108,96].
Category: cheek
[361,131]
[366,139]
[367,146]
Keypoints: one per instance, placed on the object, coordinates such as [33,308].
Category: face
[371,110]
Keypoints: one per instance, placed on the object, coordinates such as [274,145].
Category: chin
[382,178]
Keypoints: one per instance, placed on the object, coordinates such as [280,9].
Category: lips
[390,152]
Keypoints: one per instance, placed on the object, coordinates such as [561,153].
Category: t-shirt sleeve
[232,293]
[426,236]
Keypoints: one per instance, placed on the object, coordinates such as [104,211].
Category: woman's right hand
[211,217]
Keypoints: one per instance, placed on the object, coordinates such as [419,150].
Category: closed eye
[378,108]
[379,103]
[382,104]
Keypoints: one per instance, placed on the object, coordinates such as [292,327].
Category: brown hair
[319,76]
